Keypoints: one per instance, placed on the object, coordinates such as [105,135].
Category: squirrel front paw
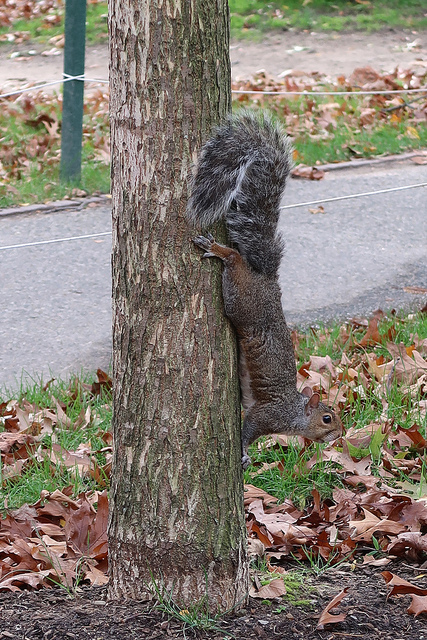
[205,243]
[246,461]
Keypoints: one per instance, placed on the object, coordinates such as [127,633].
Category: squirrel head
[323,424]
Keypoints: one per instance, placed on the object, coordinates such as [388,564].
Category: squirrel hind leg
[248,435]
[246,461]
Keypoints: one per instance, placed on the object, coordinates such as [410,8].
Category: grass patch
[253,18]
[248,18]
[56,456]
[339,128]
[323,129]
[292,471]
[82,424]
[291,478]
[385,139]
[286,471]
[47,23]
[30,138]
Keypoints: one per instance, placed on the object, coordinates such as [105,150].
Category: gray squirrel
[240,177]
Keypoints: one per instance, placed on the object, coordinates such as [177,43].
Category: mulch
[51,614]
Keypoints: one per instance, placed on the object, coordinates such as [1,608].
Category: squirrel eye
[327,419]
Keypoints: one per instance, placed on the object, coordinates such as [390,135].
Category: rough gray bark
[176,497]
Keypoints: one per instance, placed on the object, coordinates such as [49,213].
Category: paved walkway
[359,255]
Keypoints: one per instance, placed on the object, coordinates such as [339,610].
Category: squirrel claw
[205,243]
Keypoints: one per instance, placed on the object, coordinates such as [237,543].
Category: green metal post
[72,108]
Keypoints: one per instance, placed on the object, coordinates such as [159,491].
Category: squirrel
[240,177]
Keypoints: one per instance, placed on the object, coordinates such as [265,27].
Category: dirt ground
[53,615]
[330,53]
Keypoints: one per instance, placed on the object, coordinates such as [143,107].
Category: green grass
[295,480]
[252,18]
[345,145]
[30,155]
[39,30]
[41,474]
[346,137]
[30,150]
[45,187]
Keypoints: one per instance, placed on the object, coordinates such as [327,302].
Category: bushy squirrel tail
[240,176]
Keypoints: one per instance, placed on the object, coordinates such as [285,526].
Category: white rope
[330,93]
[355,195]
[36,87]
[287,206]
[83,78]
[37,244]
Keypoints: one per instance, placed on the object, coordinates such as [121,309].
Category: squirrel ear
[313,403]
[307,392]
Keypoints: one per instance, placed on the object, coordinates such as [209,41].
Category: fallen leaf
[418,605]
[328,618]
[399,585]
[308,173]
[274,589]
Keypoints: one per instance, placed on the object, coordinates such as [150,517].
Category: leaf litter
[376,514]
[30,124]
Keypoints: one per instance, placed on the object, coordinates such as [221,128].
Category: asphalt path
[357,256]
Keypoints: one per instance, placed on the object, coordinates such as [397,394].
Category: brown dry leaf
[97,535]
[359,468]
[411,543]
[406,369]
[77,460]
[416,290]
[95,576]
[308,173]
[372,335]
[256,548]
[15,582]
[13,470]
[104,383]
[375,562]
[62,416]
[399,585]
[363,75]
[418,605]
[57,547]
[363,530]
[11,441]
[274,589]
[252,493]
[328,618]
[323,364]
[380,369]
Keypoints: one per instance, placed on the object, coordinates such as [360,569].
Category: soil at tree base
[52,614]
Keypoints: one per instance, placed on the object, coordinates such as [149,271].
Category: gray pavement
[359,255]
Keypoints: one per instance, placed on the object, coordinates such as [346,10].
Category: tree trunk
[176,514]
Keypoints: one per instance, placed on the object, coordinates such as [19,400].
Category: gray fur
[241,176]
